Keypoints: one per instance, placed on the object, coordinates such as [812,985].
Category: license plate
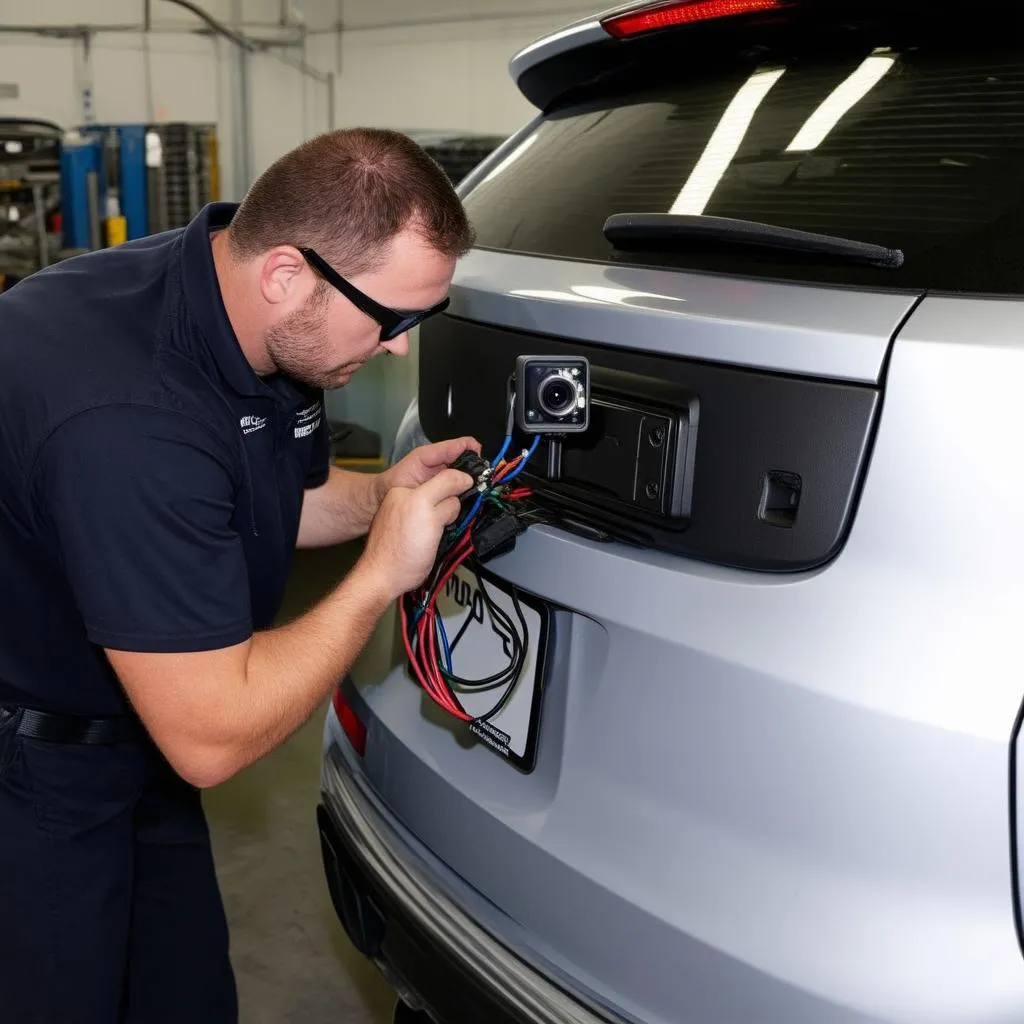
[481,648]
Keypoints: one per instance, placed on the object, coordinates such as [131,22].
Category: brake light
[353,728]
[674,12]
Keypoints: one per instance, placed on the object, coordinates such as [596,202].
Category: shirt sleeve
[139,503]
[320,459]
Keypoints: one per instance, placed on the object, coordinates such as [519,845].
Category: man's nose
[398,346]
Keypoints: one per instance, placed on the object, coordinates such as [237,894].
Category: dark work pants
[109,907]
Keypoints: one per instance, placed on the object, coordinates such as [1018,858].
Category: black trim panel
[754,427]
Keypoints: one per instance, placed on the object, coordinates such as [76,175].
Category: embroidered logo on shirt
[308,420]
[250,424]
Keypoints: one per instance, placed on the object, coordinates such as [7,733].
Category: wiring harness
[495,511]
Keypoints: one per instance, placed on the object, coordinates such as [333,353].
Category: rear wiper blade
[652,232]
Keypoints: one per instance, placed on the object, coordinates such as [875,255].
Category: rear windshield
[914,148]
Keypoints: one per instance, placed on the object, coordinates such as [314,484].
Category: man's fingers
[444,453]
[447,484]
[450,509]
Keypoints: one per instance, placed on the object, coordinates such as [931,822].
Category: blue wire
[480,498]
[504,448]
[469,515]
[444,644]
[522,465]
[466,521]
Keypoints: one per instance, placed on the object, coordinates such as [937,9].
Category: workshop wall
[440,66]
[443,65]
[404,64]
[399,63]
[169,74]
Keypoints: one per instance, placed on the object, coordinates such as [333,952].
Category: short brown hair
[347,194]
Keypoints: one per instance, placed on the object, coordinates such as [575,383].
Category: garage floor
[291,957]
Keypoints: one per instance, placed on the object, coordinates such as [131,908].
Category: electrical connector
[494,533]
[480,470]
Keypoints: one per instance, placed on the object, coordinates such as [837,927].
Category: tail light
[350,724]
[681,12]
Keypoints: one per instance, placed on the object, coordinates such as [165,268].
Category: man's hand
[424,463]
[343,508]
[406,532]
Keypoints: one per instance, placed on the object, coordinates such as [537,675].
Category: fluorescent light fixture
[724,142]
[843,98]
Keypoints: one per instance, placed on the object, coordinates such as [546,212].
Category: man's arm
[340,509]
[139,504]
[214,712]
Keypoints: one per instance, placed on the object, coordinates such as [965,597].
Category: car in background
[457,153]
[765,767]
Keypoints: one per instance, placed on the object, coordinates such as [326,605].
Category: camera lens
[556,396]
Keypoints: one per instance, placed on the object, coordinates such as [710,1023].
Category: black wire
[519,639]
[508,633]
[522,649]
[461,633]
[507,695]
[511,674]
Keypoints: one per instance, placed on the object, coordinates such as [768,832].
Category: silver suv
[760,765]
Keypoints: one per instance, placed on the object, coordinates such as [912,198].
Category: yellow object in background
[214,157]
[117,230]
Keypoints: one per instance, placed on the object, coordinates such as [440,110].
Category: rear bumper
[436,954]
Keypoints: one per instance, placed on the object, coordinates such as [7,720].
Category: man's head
[367,205]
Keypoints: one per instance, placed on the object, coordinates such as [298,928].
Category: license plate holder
[479,649]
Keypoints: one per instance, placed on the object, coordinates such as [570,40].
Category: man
[163,449]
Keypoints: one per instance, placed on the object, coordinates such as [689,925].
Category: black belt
[57,728]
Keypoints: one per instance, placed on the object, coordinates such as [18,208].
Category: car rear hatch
[718,820]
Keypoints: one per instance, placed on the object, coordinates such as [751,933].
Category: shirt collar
[202,295]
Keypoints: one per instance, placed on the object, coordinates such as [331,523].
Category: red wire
[424,629]
[428,629]
[506,469]
[468,550]
[422,675]
[424,659]
[463,552]
[409,651]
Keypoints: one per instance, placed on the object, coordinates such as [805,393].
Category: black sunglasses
[393,322]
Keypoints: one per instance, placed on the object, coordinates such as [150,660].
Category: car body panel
[705,811]
[456,925]
[580,33]
[759,797]
[798,329]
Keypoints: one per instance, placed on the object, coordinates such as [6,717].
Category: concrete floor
[291,957]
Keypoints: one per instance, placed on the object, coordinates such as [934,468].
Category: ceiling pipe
[245,43]
[249,45]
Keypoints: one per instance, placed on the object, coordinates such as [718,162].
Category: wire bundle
[426,641]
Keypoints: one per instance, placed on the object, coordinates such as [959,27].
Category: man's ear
[281,274]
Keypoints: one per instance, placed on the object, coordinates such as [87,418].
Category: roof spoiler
[582,51]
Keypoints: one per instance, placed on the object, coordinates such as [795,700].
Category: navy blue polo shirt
[150,482]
